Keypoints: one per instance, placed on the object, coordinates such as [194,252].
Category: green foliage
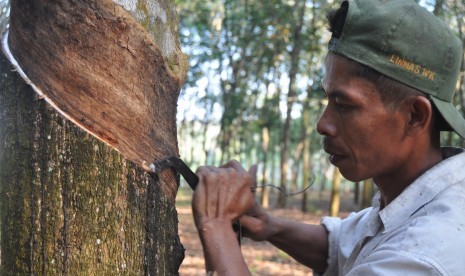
[240,62]
[240,54]
[4,14]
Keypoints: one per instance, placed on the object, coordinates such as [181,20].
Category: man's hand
[255,222]
[223,193]
[221,197]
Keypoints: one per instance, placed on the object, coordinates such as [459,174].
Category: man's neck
[392,186]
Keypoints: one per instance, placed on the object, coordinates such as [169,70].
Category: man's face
[363,138]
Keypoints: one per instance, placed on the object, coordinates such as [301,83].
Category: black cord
[282,190]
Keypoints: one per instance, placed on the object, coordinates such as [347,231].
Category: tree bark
[4,11]
[460,93]
[292,93]
[306,153]
[335,194]
[357,193]
[265,195]
[368,193]
[101,68]
[438,8]
[69,203]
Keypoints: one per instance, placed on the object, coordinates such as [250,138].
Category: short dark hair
[391,91]
[336,19]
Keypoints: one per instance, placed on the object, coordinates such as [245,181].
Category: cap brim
[451,115]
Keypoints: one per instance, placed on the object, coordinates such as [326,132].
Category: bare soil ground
[261,257]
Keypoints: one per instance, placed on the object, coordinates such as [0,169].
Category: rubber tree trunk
[335,203]
[368,192]
[265,195]
[70,204]
[292,93]
[306,180]
[460,93]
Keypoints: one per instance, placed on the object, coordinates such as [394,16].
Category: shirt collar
[424,188]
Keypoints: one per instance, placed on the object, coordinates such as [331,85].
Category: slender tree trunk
[296,160]
[295,55]
[306,154]
[357,193]
[224,144]
[265,144]
[335,194]
[4,8]
[324,166]
[295,175]
[367,193]
[273,171]
[438,8]
[461,83]
[306,182]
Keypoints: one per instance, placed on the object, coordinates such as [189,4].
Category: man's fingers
[253,174]
[248,221]
[234,164]
[253,171]
[223,191]
[205,169]
[251,227]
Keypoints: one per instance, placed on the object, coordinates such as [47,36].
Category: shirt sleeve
[333,226]
[342,236]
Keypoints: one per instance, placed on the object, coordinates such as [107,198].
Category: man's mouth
[334,158]
[334,155]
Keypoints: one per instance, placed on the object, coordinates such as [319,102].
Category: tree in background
[453,12]
[246,62]
[242,53]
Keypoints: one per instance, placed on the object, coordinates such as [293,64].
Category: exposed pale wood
[96,64]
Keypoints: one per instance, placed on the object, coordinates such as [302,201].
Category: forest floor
[261,257]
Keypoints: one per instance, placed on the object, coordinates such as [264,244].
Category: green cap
[407,43]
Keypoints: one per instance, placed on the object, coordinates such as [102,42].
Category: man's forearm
[306,243]
[222,252]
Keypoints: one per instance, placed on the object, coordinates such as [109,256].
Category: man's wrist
[276,226]
[217,238]
[209,225]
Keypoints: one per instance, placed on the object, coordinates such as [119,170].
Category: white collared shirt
[421,232]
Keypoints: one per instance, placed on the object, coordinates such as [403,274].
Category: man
[391,71]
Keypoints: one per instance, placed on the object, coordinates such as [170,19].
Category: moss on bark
[70,204]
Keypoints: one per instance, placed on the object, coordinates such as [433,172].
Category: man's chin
[351,176]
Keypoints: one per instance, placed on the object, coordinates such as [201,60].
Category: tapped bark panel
[96,64]
[71,205]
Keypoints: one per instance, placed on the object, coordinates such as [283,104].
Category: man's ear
[419,113]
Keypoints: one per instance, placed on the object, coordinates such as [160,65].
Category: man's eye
[342,106]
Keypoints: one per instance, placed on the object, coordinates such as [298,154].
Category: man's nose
[325,125]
